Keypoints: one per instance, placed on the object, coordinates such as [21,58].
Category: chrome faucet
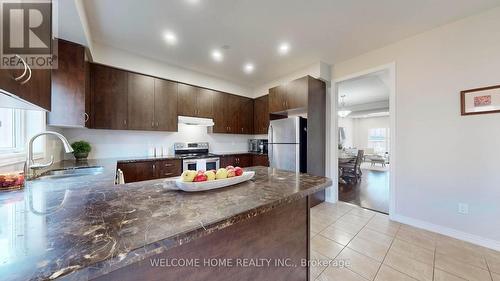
[30,164]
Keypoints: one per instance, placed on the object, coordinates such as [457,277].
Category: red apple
[200,177]
[231,173]
[238,171]
[229,167]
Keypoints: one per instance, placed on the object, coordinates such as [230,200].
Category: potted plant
[81,150]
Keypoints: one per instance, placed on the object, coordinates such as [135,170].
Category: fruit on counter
[11,181]
[231,173]
[210,175]
[229,167]
[200,177]
[188,176]
[238,171]
[221,174]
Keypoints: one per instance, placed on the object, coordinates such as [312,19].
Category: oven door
[189,165]
[211,164]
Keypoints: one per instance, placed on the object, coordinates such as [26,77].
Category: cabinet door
[260,160]
[186,102]
[296,94]
[219,102]
[137,171]
[261,115]
[204,103]
[38,89]
[277,99]
[109,97]
[168,168]
[246,116]
[244,160]
[231,113]
[227,160]
[165,105]
[7,82]
[68,86]
[141,98]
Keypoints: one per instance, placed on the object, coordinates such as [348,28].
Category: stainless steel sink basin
[72,172]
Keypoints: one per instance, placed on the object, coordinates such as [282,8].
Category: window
[16,127]
[378,139]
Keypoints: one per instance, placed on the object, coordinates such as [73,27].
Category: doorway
[365,138]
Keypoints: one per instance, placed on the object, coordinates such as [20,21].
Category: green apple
[210,175]
[221,174]
[188,176]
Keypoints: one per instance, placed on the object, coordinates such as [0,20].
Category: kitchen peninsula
[87,228]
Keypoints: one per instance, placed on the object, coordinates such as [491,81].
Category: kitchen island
[85,227]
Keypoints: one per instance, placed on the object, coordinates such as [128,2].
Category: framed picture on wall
[480,101]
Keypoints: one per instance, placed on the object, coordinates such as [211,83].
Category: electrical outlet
[463,208]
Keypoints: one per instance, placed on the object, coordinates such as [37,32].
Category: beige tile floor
[378,249]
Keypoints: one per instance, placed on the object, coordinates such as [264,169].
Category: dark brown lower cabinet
[260,160]
[241,160]
[150,170]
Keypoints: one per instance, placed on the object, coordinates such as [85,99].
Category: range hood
[8,100]
[203,122]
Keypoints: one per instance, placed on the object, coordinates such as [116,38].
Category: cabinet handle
[86,116]
[152,124]
[168,165]
[154,167]
[125,121]
[27,68]
[169,174]
[157,124]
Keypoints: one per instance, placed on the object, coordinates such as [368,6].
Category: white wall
[444,158]
[112,143]
[361,127]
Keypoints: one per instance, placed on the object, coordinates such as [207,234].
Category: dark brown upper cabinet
[109,96]
[34,89]
[261,115]
[218,102]
[290,96]
[186,102]
[245,116]
[194,101]
[232,114]
[277,99]
[68,87]
[165,111]
[141,102]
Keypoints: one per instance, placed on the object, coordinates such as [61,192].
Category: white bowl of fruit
[192,181]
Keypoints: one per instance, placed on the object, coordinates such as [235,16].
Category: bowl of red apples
[192,181]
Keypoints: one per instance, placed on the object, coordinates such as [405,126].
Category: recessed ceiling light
[170,37]
[217,55]
[284,48]
[248,68]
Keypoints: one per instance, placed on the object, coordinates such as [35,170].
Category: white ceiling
[317,30]
[370,90]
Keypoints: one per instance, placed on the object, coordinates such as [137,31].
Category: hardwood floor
[371,192]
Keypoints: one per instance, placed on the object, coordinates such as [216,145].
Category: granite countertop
[238,153]
[83,227]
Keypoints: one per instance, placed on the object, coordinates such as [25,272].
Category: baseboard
[457,234]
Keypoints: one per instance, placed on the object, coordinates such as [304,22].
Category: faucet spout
[30,164]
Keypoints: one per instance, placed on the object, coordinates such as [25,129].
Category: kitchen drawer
[168,168]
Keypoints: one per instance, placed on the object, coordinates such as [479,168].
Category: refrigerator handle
[270,146]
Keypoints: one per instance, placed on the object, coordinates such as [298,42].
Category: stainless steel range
[195,156]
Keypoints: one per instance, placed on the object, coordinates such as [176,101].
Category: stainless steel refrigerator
[287,144]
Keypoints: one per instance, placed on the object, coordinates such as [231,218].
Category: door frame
[391,67]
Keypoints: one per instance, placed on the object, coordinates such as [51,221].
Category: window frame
[18,154]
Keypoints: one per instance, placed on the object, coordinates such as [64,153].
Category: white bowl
[208,185]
